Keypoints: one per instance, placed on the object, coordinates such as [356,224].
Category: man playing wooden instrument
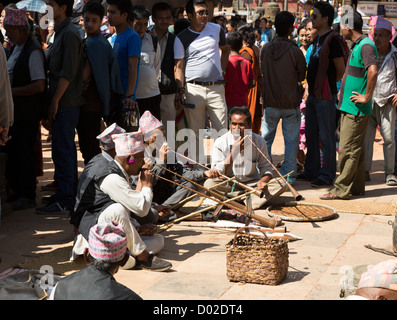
[234,155]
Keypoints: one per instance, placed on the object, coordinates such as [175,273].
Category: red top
[238,74]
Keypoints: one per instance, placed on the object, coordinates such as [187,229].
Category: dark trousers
[88,128]
[21,162]
[64,154]
[320,128]
[152,104]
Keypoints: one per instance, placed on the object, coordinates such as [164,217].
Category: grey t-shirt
[36,63]
[201,52]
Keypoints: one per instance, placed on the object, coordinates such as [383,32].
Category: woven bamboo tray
[255,259]
[301,211]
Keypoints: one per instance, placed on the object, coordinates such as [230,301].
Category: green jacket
[355,79]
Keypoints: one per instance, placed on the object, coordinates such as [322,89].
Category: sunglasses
[203,12]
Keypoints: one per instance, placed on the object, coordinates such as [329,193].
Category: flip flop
[329,196]
[391,180]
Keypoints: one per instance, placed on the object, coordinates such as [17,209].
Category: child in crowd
[101,75]
[239,75]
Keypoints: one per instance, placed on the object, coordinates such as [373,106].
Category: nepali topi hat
[107,242]
[382,23]
[105,138]
[148,122]
[15,17]
[383,275]
[128,143]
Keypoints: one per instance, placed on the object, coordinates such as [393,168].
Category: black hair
[357,20]
[241,110]
[303,25]
[191,3]
[283,22]
[161,6]
[140,12]
[264,19]
[326,10]
[235,40]
[336,27]
[180,25]
[69,6]
[124,6]
[233,23]
[248,34]
[94,8]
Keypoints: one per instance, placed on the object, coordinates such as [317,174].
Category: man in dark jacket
[282,95]
[325,69]
[162,17]
[107,252]
[65,64]
[26,69]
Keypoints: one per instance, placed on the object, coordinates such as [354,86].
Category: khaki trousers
[167,109]
[351,179]
[207,100]
[274,189]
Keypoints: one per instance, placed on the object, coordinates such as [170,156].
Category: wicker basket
[255,259]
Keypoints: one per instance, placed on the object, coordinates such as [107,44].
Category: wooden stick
[237,206]
[275,230]
[194,195]
[242,185]
[295,193]
[167,225]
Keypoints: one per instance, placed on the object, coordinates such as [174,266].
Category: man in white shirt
[147,92]
[234,155]
[199,72]
[384,101]
[109,196]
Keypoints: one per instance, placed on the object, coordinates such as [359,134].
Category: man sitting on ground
[109,196]
[157,150]
[234,154]
[107,252]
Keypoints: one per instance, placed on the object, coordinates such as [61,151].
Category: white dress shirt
[247,166]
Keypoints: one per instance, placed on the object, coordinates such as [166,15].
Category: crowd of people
[99,65]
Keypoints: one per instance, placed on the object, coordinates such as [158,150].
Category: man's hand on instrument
[212,173]
[162,210]
[238,147]
[148,229]
[145,177]
[263,182]
[163,153]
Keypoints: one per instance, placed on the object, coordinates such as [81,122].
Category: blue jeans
[64,154]
[291,119]
[320,129]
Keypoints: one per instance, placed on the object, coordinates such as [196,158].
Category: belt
[207,83]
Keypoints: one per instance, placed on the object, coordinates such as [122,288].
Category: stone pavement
[198,253]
